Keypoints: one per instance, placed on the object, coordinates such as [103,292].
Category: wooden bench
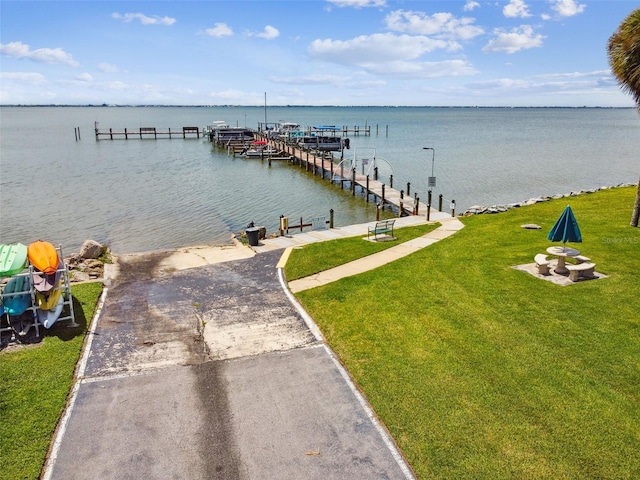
[542,263]
[584,269]
[385,227]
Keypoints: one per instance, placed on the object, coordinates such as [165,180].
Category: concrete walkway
[449,227]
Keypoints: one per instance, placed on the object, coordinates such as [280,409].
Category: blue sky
[311,52]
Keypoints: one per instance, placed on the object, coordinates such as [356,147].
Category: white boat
[283,130]
[213,126]
[323,138]
[259,149]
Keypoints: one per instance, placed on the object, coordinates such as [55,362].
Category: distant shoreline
[311,106]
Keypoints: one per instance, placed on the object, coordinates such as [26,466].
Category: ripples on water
[140,195]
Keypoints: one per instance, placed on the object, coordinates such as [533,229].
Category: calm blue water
[154,194]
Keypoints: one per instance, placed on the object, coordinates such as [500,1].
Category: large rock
[91,249]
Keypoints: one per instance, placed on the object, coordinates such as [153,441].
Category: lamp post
[432,180]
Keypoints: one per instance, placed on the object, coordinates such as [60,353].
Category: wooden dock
[147,132]
[325,166]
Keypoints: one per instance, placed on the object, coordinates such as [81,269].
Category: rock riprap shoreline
[482,209]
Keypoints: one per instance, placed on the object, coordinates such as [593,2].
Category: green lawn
[486,372]
[34,384]
[341,251]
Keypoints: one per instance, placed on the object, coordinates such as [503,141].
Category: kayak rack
[67,313]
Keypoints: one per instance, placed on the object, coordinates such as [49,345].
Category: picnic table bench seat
[581,259]
[384,227]
[584,269]
[542,263]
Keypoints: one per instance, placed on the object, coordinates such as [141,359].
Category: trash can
[252,236]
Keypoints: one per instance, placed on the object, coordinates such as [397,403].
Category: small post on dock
[417,205]
[375,173]
[408,188]
[391,180]
[453,208]
[377,212]
[353,181]
[367,188]
[440,202]
[331,218]
[382,199]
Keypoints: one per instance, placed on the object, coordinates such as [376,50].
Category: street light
[432,180]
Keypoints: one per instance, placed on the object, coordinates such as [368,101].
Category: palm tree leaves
[624,55]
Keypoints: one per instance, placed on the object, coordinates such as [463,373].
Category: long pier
[147,132]
[323,164]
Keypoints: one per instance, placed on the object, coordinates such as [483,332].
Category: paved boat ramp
[201,365]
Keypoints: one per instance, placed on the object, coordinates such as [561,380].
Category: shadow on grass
[19,330]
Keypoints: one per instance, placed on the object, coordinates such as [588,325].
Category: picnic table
[562,253]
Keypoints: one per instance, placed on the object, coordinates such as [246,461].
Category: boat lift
[365,162]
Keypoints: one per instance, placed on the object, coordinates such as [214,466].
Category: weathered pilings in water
[323,164]
[145,132]
[317,223]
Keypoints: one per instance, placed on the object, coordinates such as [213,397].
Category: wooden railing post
[367,188]
[353,181]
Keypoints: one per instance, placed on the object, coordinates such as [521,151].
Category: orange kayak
[43,256]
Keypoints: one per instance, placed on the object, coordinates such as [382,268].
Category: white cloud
[219,30]
[337,81]
[372,49]
[419,70]
[442,25]
[228,94]
[28,78]
[517,39]
[144,19]
[84,77]
[269,33]
[516,9]
[470,6]
[567,8]
[108,68]
[575,83]
[40,55]
[358,3]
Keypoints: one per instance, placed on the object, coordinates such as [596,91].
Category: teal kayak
[16,296]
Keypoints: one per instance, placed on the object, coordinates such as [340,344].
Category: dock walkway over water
[146,132]
[324,164]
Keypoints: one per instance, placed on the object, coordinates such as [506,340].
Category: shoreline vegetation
[318,106]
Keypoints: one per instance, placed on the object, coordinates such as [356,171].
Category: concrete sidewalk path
[449,227]
[361,229]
